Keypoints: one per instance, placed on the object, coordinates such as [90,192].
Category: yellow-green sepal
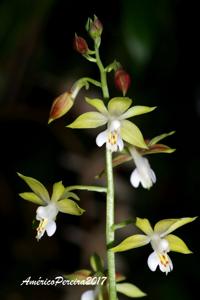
[166,226]
[98,104]
[144,225]
[58,191]
[32,197]
[37,187]
[129,290]
[136,111]
[158,138]
[68,206]
[118,105]
[177,245]
[134,241]
[89,120]
[131,134]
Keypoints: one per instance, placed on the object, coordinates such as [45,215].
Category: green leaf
[129,290]
[97,263]
[176,244]
[89,120]
[58,190]
[137,110]
[98,104]
[69,207]
[37,187]
[166,226]
[79,275]
[118,105]
[144,225]
[131,134]
[32,197]
[134,241]
[156,139]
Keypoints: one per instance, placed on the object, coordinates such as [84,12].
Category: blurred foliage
[157,43]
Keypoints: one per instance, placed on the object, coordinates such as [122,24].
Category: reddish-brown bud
[80,44]
[94,27]
[60,106]
[122,81]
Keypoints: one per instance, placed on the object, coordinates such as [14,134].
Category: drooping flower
[161,240]
[142,173]
[47,212]
[118,128]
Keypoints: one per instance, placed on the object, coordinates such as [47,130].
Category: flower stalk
[110,234]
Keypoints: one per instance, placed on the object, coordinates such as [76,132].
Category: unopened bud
[60,106]
[94,28]
[122,81]
[80,44]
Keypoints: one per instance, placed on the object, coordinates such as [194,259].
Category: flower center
[113,137]
[163,259]
[41,228]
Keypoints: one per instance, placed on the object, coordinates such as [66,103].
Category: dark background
[157,43]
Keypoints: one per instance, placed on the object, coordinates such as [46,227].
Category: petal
[144,225]
[58,191]
[153,261]
[118,105]
[176,244]
[41,213]
[89,120]
[135,178]
[36,186]
[98,104]
[88,295]
[51,228]
[101,138]
[166,226]
[137,110]
[165,263]
[153,176]
[132,134]
[120,143]
[131,242]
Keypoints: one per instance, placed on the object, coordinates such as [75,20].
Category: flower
[118,128]
[88,295]
[122,80]
[46,215]
[161,240]
[142,173]
[47,212]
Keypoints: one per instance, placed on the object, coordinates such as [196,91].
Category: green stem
[90,188]
[103,74]
[110,234]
